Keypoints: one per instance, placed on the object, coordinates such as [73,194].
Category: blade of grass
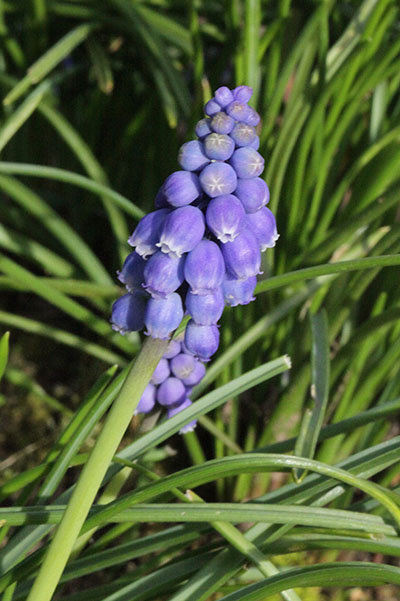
[314,416]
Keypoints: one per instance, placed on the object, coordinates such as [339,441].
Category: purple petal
[163,316]
[219,147]
[239,292]
[171,392]
[202,341]
[161,372]
[128,313]
[222,123]
[181,188]
[147,232]
[163,274]
[253,193]
[204,268]
[182,231]
[224,216]
[247,162]
[242,256]
[263,225]
[191,156]
[147,400]
[218,178]
[205,309]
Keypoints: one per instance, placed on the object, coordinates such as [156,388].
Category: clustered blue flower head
[172,382]
[201,247]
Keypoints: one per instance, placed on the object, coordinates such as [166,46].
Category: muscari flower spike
[199,249]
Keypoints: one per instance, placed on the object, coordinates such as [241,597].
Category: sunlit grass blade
[21,114]
[4,342]
[314,415]
[61,336]
[326,575]
[74,179]
[49,60]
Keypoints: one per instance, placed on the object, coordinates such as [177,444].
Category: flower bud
[247,162]
[128,312]
[204,268]
[255,143]
[238,111]
[163,316]
[205,309]
[147,400]
[212,107]
[182,365]
[161,372]
[253,193]
[242,94]
[239,292]
[202,341]
[224,216]
[223,96]
[218,178]
[203,128]
[171,392]
[242,256]
[195,376]
[174,410]
[174,348]
[181,188]
[222,123]
[263,225]
[147,233]
[253,118]
[182,231]
[219,147]
[163,274]
[132,270]
[243,134]
[191,156]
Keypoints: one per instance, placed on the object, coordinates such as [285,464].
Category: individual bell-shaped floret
[203,128]
[173,349]
[196,375]
[253,193]
[147,233]
[223,96]
[201,341]
[263,225]
[147,400]
[204,268]
[242,256]
[128,312]
[182,231]
[191,156]
[182,365]
[163,316]
[239,292]
[163,274]
[161,372]
[243,134]
[247,162]
[242,94]
[219,147]
[174,410]
[132,270]
[224,216]
[222,123]
[205,309]
[181,188]
[211,107]
[218,178]
[171,392]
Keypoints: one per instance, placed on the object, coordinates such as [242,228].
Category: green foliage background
[98,95]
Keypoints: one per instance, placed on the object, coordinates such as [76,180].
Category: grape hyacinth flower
[200,249]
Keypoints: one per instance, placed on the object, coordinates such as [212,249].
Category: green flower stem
[95,469]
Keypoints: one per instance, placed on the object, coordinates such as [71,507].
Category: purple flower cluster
[201,247]
[172,381]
